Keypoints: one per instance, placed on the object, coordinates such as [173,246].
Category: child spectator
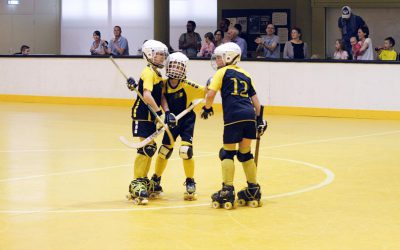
[208,46]
[340,53]
[387,53]
[355,47]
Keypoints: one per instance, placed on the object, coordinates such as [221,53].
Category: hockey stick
[159,131]
[171,138]
[258,138]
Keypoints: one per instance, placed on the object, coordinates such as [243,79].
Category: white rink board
[291,84]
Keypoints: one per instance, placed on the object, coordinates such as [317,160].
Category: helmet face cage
[176,70]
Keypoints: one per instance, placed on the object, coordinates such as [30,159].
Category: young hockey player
[144,123]
[178,95]
[242,120]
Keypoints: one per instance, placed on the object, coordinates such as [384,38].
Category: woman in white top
[366,51]
[340,53]
[99,47]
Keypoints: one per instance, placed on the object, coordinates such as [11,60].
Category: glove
[205,113]
[170,119]
[159,125]
[131,83]
[261,125]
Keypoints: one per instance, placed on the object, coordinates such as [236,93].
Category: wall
[313,85]
[32,22]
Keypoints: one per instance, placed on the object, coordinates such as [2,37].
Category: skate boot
[224,198]
[153,187]
[190,194]
[250,196]
[138,192]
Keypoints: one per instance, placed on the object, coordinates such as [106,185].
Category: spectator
[366,51]
[269,44]
[99,47]
[387,52]
[218,37]
[295,48]
[349,24]
[224,25]
[118,46]
[355,47]
[24,51]
[190,42]
[208,46]
[233,35]
[340,53]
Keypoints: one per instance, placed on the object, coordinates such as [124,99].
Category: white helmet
[151,48]
[176,65]
[230,54]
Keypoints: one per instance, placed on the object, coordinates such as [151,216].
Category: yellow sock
[188,166]
[139,169]
[249,167]
[228,171]
[148,164]
[161,164]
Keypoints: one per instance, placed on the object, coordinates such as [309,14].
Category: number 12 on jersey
[239,88]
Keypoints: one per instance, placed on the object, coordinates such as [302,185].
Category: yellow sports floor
[327,183]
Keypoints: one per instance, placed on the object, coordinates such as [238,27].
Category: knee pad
[244,157]
[186,152]
[226,154]
[148,150]
[165,152]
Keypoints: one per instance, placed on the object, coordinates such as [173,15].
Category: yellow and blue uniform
[236,89]
[143,120]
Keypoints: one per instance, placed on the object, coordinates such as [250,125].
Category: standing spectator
[349,24]
[24,51]
[99,47]
[387,53]
[190,42]
[355,47]
[269,44]
[233,35]
[340,53]
[118,46]
[366,51]
[208,46]
[295,48]
[218,37]
[224,25]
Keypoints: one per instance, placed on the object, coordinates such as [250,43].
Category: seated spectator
[269,44]
[366,51]
[190,42]
[118,46]
[295,48]
[340,53]
[355,47]
[233,35]
[218,37]
[99,47]
[208,46]
[387,52]
[24,51]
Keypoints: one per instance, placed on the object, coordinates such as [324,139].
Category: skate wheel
[260,203]
[241,202]
[235,204]
[154,195]
[128,197]
[228,205]
[253,203]
[139,201]
[215,204]
[189,197]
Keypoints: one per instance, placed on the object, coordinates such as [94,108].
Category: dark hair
[119,27]
[210,36]
[298,31]
[238,27]
[192,23]
[220,31]
[227,21]
[97,33]
[23,47]
[365,30]
[341,43]
[391,40]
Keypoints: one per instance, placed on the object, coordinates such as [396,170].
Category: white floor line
[330,176]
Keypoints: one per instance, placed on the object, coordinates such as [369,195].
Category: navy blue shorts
[185,129]
[143,128]
[234,133]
